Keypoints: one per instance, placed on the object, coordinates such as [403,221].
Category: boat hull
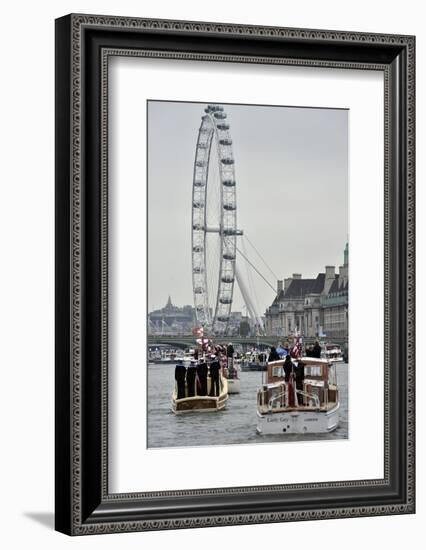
[298,421]
[199,404]
[233,385]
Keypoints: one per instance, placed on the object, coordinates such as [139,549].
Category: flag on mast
[198,331]
[296,351]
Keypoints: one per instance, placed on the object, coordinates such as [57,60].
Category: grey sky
[291,169]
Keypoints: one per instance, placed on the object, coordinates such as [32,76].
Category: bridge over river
[185,341]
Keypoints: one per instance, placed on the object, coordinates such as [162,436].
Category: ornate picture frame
[84,44]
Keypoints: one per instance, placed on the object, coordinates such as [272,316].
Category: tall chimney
[329,277]
[279,286]
[297,275]
[287,283]
[343,275]
[329,271]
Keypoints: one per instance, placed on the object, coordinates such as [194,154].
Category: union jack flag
[204,343]
[296,351]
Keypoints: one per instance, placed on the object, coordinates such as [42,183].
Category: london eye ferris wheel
[214,221]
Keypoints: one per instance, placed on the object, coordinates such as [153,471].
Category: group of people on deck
[282,350]
[294,371]
[206,364]
[294,368]
[313,351]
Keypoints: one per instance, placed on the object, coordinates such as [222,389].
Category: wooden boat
[278,407]
[202,403]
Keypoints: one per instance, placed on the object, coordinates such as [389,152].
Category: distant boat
[169,357]
[233,377]
[333,352]
[165,357]
[255,361]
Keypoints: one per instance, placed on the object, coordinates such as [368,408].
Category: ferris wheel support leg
[249,304]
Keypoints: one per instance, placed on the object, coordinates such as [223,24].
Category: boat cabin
[316,388]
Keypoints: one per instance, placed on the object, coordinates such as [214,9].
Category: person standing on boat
[202,376]
[180,374]
[288,367]
[230,359]
[273,355]
[230,350]
[299,371]
[316,350]
[282,352]
[214,377]
[190,378]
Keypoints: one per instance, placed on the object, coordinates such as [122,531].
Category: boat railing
[310,396]
[276,398]
[282,397]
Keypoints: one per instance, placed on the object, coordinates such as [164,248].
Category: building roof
[337,287]
[299,288]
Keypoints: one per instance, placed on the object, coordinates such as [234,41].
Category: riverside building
[315,307]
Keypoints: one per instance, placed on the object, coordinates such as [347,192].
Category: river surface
[235,424]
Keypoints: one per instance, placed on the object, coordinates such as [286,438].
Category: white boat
[333,352]
[234,385]
[232,375]
[254,361]
[167,357]
[154,356]
[283,409]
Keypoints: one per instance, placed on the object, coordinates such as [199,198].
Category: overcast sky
[291,169]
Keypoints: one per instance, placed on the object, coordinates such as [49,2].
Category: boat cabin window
[313,371]
[277,372]
[332,378]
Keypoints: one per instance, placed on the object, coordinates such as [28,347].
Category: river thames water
[235,424]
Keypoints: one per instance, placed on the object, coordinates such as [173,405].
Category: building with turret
[315,307]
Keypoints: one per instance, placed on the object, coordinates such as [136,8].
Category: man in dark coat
[202,377]
[214,377]
[180,374]
[316,350]
[299,370]
[273,355]
[230,359]
[288,367]
[190,378]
